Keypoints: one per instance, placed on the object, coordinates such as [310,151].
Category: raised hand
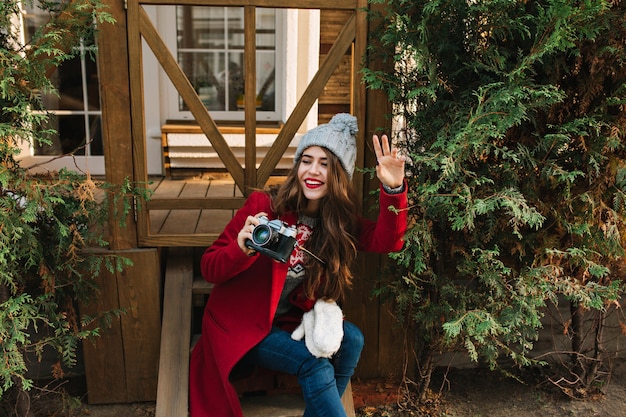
[389,164]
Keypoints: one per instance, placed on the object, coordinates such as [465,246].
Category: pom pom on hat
[338,136]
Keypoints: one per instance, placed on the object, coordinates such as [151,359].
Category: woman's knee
[352,336]
[316,368]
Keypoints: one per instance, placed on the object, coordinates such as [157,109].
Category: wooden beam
[278,4]
[187,203]
[171,240]
[249,53]
[359,93]
[173,381]
[105,370]
[121,365]
[116,121]
[193,128]
[138,126]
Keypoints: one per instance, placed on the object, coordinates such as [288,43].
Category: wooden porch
[184,206]
[186,213]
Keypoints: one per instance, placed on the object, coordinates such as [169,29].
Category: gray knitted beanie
[338,136]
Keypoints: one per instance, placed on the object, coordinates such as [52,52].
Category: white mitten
[309,320]
[322,329]
[298,333]
[328,328]
[305,330]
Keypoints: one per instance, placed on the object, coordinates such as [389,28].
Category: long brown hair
[334,239]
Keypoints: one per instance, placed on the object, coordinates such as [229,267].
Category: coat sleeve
[387,233]
[224,259]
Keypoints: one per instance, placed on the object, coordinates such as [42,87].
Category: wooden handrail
[177,203]
[201,240]
[224,130]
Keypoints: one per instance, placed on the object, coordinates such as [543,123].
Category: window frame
[84,161]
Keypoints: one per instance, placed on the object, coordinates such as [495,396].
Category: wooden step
[200,286]
[273,406]
[173,383]
[285,405]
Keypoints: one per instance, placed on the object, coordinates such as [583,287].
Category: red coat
[241,308]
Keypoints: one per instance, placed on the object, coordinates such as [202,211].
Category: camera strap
[299,246]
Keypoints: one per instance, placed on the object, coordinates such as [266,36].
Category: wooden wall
[121,365]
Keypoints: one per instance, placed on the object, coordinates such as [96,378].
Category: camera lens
[263,235]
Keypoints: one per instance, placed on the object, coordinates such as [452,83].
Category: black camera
[273,238]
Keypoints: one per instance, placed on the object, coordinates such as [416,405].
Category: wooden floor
[191,221]
[192,210]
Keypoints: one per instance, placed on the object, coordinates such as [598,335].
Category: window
[210,43]
[209,47]
[75,111]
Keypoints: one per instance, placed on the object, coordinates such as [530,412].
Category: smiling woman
[257,302]
[312,173]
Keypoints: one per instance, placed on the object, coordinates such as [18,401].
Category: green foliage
[514,115]
[50,223]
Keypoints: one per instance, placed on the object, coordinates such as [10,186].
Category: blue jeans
[322,380]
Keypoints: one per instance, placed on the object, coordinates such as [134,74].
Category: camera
[273,238]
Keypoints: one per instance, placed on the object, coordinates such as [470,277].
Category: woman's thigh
[279,352]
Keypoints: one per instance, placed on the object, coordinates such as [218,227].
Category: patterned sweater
[296,272]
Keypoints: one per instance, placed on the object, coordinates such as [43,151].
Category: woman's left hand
[389,165]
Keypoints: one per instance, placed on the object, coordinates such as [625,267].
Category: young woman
[257,302]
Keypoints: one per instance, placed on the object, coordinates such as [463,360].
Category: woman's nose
[315,167]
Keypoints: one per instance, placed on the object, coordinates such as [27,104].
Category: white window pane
[72,134]
[210,42]
[75,108]
[266,80]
